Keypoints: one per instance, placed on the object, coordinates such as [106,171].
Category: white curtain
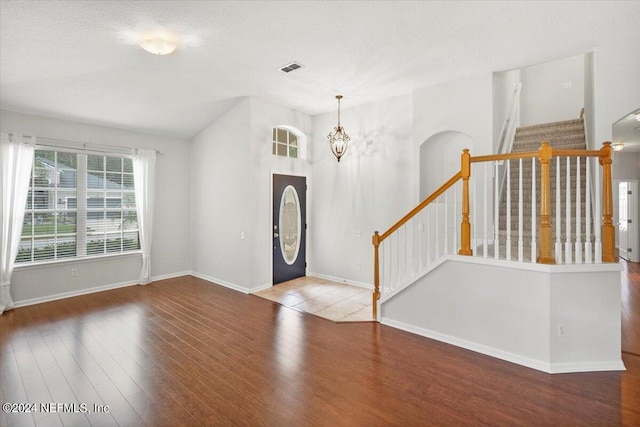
[144,175]
[16,159]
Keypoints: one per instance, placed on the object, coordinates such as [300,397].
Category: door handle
[276,235]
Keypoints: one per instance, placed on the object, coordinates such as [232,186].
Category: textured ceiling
[78,59]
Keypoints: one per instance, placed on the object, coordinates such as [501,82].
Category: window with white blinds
[78,205]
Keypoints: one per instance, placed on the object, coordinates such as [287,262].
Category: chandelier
[338,139]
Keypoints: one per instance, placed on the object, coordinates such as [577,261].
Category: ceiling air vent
[290,67]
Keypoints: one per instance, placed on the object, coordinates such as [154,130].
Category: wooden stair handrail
[421,206]
[544,154]
[378,238]
[530,154]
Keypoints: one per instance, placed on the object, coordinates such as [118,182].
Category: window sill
[59,262]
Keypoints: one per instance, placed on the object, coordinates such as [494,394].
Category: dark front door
[289,227]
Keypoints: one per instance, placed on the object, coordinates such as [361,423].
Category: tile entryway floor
[332,300]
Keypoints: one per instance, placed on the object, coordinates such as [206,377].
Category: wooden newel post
[376,273]
[608,231]
[545,250]
[465,226]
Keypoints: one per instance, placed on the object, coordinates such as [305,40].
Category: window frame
[288,146]
[82,191]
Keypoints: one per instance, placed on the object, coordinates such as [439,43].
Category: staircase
[434,276]
[564,135]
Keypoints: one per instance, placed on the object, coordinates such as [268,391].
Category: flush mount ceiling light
[617,146]
[338,139]
[159,42]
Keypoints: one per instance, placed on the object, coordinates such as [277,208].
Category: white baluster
[383,261]
[597,223]
[485,239]
[534,247]
[588,256]
[558,247]
[474,226]
[437,206]
[508,243]
[397,257]
[428,235]
[446,222]
[496,214]
[568,256]
[455,219]
[405,248]
[578,243]
[388,250]
[420,262]
[520,214]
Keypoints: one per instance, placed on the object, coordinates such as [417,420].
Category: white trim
[387,296]
[565,368]
[75,260]
[221,282]
[261,288]
[530,266]
[544,268]
[85,291]
[341,280]
[550,368]
[170,276]
[70,294]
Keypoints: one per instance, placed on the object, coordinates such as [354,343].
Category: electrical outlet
[356,233]
[561,330]
[242,235]
[358,266]
[74,272]
[566,85]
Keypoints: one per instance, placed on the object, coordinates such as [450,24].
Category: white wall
[220,189]
[503,86]
[617,86]
[371,188]
[464,105]
[440,159]
[589,100]
[544,97]
[515,312]
[626,165]
[231,167]
[170,249]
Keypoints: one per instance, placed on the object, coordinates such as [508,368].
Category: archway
[440,159]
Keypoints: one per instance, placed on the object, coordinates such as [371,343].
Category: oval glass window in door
[290,224]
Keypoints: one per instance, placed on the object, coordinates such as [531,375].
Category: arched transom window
[285,143]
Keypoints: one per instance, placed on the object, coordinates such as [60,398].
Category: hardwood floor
[186,352]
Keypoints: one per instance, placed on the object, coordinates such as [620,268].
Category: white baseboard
[565,368]
[550,368]
[222,283]
[85,291]
[260,288]
[170,276]
[70,294]
[341,280]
